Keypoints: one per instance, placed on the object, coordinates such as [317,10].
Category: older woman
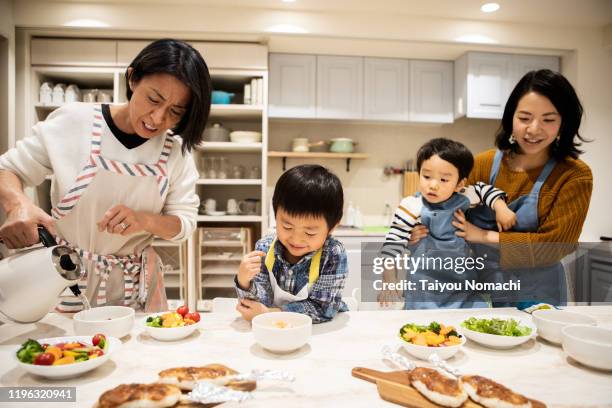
[122,175]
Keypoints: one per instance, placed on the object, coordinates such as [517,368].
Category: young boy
[443,167]
[301,268]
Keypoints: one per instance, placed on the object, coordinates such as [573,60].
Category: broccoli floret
[435,327]
[29,350]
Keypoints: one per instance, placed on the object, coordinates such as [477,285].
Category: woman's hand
[471,232]
[123,220]
[418,232]
[21,226]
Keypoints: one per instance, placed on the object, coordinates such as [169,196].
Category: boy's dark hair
[181,60]
[453,152]
[310,190]
[562,95]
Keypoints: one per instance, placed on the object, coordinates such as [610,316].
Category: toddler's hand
[505,217]
[249,267]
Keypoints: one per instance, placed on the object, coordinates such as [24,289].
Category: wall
[7,74]
[586,61]
[386,144]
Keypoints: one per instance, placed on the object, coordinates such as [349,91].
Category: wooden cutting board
[394,386]
[411,183]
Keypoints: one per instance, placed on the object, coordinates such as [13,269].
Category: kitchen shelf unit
[318,155]
[173,256]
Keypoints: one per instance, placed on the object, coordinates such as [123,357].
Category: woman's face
[158,103]
[536,123]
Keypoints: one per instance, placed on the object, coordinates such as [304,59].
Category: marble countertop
[322,367]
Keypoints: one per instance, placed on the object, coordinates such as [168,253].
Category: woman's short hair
[181,60]
[562,95]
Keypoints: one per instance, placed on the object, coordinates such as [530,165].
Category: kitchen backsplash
[386,144]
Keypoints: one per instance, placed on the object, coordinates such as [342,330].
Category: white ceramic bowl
[499,341]
[589,345]
[282,340]
[423,352]
[116,321]
[169,333]
[69,370]
[245,136]
[550,322]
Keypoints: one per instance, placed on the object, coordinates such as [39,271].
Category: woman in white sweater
[120,177]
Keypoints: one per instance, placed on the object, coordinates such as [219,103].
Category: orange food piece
[56,351]
[64,360]
[419,340]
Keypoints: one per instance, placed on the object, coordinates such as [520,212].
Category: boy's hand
[505,217]
[418,232]
[250,308]
[249,267]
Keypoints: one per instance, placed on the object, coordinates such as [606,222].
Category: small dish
[169,333]
[245,136]
[114,321]
[215,213]
[499,341]
[74,369]
[424,352]
[589,345]
[282,332]
[550,322]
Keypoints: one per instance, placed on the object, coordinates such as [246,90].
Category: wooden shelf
[229,182]
[172,281]
[221,258]
[236,111]
[318,155]
[220,281]
[229,147]
[222,243]
[229,218]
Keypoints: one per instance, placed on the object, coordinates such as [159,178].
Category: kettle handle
[45,237]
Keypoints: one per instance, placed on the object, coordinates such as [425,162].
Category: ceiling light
[489,7]
[288,1]
[85,22]
[476,39]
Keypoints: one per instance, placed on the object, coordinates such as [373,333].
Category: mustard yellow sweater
[562,208]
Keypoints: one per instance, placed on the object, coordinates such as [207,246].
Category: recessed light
[287,28]
[85,22]
[288,1]
[489,7]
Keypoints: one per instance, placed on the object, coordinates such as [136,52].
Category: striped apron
[98,179]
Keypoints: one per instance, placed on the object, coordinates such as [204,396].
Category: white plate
[215,213]
[498,341]
[69,370]
[169,333]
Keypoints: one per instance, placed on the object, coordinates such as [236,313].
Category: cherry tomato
[99,340]
[44,359]
[182,310]
[97,352]
[195,316]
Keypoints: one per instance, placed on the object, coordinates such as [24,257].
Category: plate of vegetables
[65,357]
[423,340]
[172,325]
[498,331]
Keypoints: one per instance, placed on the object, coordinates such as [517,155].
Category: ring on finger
[123,226]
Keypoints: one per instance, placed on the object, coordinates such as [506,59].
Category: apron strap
[313,270]
[495,166]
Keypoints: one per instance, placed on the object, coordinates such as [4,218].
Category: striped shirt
[325,296]
[408,215]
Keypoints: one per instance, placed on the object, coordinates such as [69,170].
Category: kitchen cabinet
[386,89]
[292,86]
[483,81]
[339,87]
[431,91]
[594,273]
[73,52]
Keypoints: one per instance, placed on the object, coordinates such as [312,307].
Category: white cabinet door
[525,63]
[386,89]
[339,87]
[488,84]
[292,86]
[431,91]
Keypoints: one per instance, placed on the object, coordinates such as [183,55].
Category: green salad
[500,327]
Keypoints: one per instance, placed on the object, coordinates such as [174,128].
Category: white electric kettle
[31,280]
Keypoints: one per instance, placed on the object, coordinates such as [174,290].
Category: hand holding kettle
[20,228]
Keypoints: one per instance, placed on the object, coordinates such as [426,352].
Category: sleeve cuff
[250,293]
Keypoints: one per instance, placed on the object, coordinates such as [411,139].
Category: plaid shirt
[325,296]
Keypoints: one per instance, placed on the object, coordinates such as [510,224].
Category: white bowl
[499,341]
[169,333]
[282,340]
[245,136]
[74,369]
[116,321]
[550,322]
[423,352]
[589,345]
